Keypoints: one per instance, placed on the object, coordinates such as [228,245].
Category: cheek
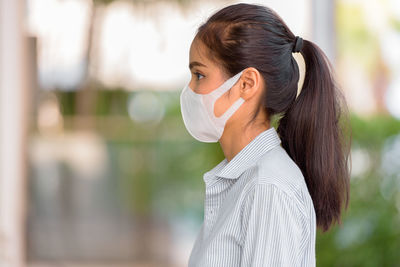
[221,105]
[203,86]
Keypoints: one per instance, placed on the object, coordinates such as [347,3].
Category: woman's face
[207,76]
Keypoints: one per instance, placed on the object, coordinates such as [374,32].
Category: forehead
[198,52]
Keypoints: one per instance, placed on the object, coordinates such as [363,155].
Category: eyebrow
[195,63]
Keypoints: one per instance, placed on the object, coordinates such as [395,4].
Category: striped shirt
[257,210]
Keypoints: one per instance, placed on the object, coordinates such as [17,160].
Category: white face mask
[198,111]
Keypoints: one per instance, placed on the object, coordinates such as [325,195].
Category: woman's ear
[249,83]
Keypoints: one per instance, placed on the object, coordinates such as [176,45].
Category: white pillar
[14,83]
[323,26]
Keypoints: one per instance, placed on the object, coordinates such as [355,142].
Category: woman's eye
[198,75]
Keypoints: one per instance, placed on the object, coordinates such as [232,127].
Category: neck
[234,139]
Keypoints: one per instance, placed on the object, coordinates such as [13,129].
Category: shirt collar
[248,156]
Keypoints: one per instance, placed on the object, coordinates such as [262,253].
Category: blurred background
[96,166]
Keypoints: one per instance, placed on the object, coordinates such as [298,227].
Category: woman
[265,200]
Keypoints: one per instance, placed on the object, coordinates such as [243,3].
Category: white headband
[302,71]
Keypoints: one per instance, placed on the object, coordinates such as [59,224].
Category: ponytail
[313,136]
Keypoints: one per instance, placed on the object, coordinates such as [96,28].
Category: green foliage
[372,133]
[67,102]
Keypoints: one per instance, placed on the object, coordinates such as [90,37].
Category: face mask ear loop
[232,109]
[217,93]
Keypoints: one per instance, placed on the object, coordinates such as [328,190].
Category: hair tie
[298,44]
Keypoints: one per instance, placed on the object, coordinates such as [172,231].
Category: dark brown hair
[311,127]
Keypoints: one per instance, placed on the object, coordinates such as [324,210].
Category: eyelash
[197,74]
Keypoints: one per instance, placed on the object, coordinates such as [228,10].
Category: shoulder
[276,175]
[278,168]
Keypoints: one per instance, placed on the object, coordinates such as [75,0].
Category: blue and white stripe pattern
[257,211]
